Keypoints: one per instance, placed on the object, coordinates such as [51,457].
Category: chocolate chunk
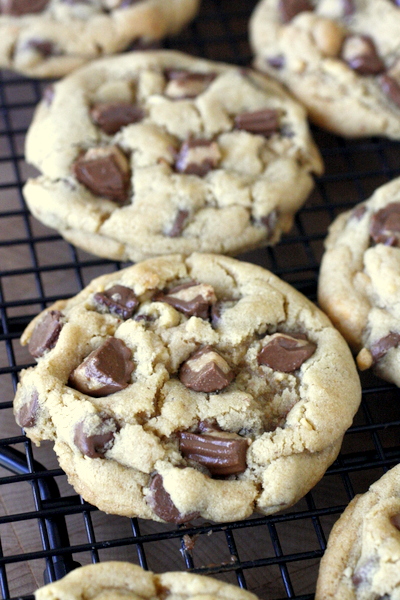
[363,573]
[178,224]
[97,444]
[105,172]
[286,353]
[221,454]
[395,521]
[105,371]
[22,7]
[119,300]
[27,414]
[161,503]
[45,334]
[263,122]
[197,157]
[379,348]
[45,47]
[185,84]
[112,116]
[391,88]
[288,9]
[276,62]
[191,299]
[385,225]
[206,371]
[359,52]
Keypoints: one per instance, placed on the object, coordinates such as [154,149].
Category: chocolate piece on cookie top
[222,453]
[385,225]
[191,299]
[360,53]
[390,87]
[186,84]
[263,122]
[27,414]
[286,352]
[382,346]
[18,8]
[95,445]
[105,371]
[112,116]
[119,300]
[197,157]
[160,501]
[206,371]
[46,333]
[105,172]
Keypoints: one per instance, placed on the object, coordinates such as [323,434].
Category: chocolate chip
[105,172]
[382,346]
[191,299]
[288,9]
[27,414]
[395,521]
[186,84]
[119,300]
[286,353]
[359,52]
[96,444]
[178,224]
[263,122]
[385,225]
[22,7]
[222,455]
[161,503]
[206,371]
[46,333]
[390,87]
[276,62]
[112,116]
[45,47]
[105,371]
[197,157]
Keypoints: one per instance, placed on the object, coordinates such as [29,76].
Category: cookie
[340,58]
[184,387]
[124,581]
[158,152]
[359,280]
[50,38]
[362,560]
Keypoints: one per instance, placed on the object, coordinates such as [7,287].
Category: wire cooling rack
[45,528]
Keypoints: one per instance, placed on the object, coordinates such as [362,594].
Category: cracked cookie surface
[359,280]
[50,38]
[158,152]
[340,58]
[362,560]
[184,387]
[125,581]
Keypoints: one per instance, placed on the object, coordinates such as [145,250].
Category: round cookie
[158,152]
[340,58]
[124,581]
[362,560]
[49,38]
[359,281]
[184,387]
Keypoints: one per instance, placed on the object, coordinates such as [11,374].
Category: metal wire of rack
[45,528]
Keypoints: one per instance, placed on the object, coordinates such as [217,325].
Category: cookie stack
[195,384]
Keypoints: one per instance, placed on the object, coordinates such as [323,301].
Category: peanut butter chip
[118,300]
[385,225]
[105,371]
[46,333]
[27,414]
[198,157]
[94,445]
[262,122]
[222,454]
[105,172]
[112,116]
[161,503]
[206,371]
[359,52]
[285,352]
[290,8]
[22,7]
[186,84]
[192,299]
